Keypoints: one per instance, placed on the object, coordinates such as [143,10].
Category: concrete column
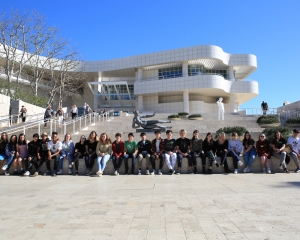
[140,103]
[185,68]
[232,107]
[186,102]
[140,74]
[231,74]
[97,89]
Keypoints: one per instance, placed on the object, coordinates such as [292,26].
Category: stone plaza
[242,206]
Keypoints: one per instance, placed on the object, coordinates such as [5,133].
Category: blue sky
[111,29]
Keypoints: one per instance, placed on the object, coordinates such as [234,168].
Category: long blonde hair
[108,140]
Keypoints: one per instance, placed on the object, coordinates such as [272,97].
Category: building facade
[181,80]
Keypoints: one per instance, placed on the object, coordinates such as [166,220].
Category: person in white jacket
[235,147]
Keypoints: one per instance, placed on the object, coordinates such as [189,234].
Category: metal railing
[258,111]
[9,120]
[77,124]
[287,114]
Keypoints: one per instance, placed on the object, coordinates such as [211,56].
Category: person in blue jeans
[235,147]
[10,152]
[3,142]
[183,151]
[66,153]
[130,151]
[103,151]
[249,152]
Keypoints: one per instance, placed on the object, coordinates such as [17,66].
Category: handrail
[84,122]
[15,119]
[258,111]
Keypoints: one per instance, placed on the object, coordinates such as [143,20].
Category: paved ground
[243,206]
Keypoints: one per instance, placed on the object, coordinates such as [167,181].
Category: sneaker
[217,164]
[15,173]
[269,170]
[116,173]
[27,173]
[209,171]
[227,171]
[178,172]
[53,173]
[173,172]
[159,172]
[4,167]
[170,172]
[235,171]
[127,172]
[245,169]
[47,173]
[286,170]
[76,174]
[191,172]
[297,170]
[248,169]
[195,170]
[240,163]
[35,174]
[22,172]
[99,173]
[70,171]
[147,172]
[70,165]
[60,172]
[132,171]
[280,166]
[6,173]
[140,172]
[152,173]
[264,170]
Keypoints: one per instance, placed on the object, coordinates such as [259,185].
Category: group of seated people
[25,155]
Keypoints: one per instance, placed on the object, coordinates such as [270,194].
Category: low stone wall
[109,170]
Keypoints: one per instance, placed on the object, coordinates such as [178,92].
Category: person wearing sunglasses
[264,152]
[278,145]
[294,144]
[79,152]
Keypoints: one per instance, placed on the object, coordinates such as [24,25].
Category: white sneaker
[27,173]
[159,172]
[116,173]
[147,172]
[99,173]
[240,163]
[235,171]
[245,169]
[248,169]
[280,166]
[6,174]
[269,170]
[264,170]
[154,172]
[140,172]
[60,172]
[4,167]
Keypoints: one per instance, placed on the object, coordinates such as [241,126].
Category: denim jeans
[130,155]
[61,160]
[102,161]
[180,157]
[249,157]
[89,161]
[116,164]
[235,157]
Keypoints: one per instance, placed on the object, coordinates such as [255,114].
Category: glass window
[172,72]
[197,69]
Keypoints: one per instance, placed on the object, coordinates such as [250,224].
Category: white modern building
[181,80]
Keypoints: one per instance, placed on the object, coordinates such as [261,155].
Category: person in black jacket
[32,155]
[144,151]
[209,150]
[183,151]
[42,153]
[221,146]
[79,152]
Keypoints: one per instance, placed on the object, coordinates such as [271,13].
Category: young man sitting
[118,151]
[170,152]
[54,149]
[157,152]
[130,151]
[144,151]
[183,151]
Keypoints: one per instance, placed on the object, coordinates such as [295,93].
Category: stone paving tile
[242,206]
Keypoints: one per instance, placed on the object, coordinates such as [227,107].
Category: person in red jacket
[264,152]
[118,153]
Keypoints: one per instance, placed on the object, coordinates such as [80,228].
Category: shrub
[269,132]
[183,114]
[228,130]
[174,116]
[293,120]
[195,116]
[268,119]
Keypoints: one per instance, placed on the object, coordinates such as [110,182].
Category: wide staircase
[123,124]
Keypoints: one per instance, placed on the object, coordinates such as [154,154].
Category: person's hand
[225,150]
[29,158]
[134,154]
[156,157]
[170,153]
[278,151]
[49,157]
[39,157]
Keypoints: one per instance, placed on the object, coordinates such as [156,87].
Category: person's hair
[54,133]
[19,140]
[245,140]
[6,140]
[169,131]
[118,135]
[157,131]
[195,131]
[67,135]
[211,142]
[82,136]
[275,137]
[96,136]
[108,141]
[220,134]
[182,130]
[130,134]
[143,134]
[36,135]
[234,134]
